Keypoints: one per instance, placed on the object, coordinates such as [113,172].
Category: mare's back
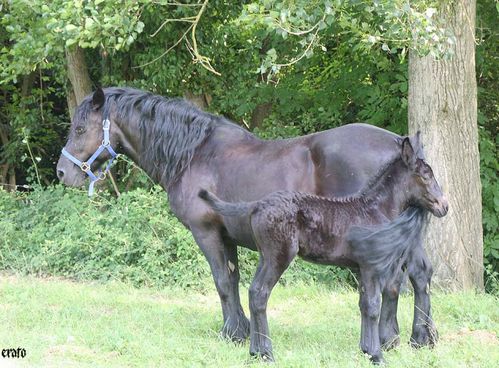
[348,157]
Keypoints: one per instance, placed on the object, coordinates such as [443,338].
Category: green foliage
[487,66]
[328,91]
[34,124]
[39,30]
[135,238]
[394,26]
[489,165]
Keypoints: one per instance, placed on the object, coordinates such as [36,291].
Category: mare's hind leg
[222,259]
[273,262]
[370,305]
[420,271]
[388,324]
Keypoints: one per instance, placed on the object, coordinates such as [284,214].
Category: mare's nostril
[60,174]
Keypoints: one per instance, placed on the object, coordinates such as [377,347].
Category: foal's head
[423,188]
[85,136]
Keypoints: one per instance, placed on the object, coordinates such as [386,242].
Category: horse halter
[85,165]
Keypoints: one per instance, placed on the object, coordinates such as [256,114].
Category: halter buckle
[85,167]
[105,124]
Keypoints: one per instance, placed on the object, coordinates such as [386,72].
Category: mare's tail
[225,208]
[386,247]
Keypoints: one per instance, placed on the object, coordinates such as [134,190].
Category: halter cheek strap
[85,166]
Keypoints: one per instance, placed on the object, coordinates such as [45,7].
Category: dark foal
[351,232]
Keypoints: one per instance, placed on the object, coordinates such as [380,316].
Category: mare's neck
[128,133]
[163,149]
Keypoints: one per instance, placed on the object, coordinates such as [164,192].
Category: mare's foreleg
[420,271]
[370,305]
[222,259]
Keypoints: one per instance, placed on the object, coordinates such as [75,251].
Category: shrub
[134,238]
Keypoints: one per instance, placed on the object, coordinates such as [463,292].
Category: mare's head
[86,135]
[423,188]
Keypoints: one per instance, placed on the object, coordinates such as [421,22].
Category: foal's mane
[370,187]
[171,129]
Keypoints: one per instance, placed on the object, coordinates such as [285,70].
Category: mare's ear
[98,99]
[408,154]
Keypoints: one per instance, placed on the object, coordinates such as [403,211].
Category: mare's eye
[80,130]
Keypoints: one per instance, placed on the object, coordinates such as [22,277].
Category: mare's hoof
[236,332]
[391,342]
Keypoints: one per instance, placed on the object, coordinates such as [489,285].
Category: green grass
[66,324]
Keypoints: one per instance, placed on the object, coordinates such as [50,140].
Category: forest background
[279,68]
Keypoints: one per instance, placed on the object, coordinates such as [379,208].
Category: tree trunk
[71,101]
[443,106]
[5,168]
[202,100]
[78,74]
[260,113]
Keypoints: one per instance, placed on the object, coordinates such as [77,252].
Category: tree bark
[443,106]
[259,114]
[78,74]
[263,109]
[202,100]
[71,101]
[4,168]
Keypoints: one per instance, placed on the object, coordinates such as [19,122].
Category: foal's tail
[225,208]
[386,247]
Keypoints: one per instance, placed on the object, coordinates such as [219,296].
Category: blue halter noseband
[85,165]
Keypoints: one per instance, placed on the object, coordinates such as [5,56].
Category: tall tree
[443,106]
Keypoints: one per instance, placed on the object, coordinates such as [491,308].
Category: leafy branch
[192,45]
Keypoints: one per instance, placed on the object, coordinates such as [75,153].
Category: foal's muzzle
[441,207]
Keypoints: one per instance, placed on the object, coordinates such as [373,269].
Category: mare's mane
[171,129]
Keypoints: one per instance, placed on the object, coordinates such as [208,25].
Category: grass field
[66,324]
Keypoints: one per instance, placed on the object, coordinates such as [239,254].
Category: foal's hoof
[377,360]
[264,356]
[237,332]
[391,342]
[427,336]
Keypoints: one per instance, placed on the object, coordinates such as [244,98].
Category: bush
[134,238]
[489,166]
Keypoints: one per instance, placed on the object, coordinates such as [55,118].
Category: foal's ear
[417,145]
[98,99]
[408,154]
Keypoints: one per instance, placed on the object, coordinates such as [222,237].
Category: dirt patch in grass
[70,352]
[481,336]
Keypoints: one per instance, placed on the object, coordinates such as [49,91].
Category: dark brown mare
[351,232]
[185,149]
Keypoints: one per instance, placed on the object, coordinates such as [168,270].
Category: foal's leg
[270,269]
[388,324]
[420,271]
[222,259]
[370,305]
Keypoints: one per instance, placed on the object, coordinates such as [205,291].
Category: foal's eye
[80,130]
